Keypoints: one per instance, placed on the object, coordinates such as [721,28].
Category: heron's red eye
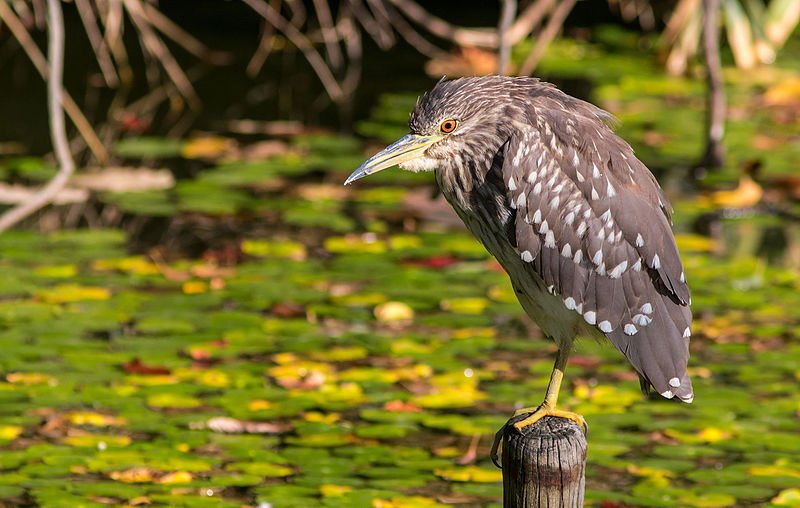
[448,126]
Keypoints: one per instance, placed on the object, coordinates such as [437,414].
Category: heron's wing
[593,222]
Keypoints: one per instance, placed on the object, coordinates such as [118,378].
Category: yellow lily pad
[465,305]
[73,293]
[470,474]
[172,400]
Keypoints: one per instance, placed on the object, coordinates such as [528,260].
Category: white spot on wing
[630,329]
[581,179]
[581,229]
[638,265]
[647,308]
[549,240]
[537,188]
[617,271]
[610,192]
[578,257]
[590,317]
[511,184]
[606,215]
[569,303]
[554,202]
[598,257]
[683,277]
[543,229]
[521,199]
[537,216]
[569,218]
[687,333]
[639,240]
[674,382]
[595,196]
[667,394]
[566,251]
[604,326]
[527,256]
[595,171]
[656,262]
[642,320]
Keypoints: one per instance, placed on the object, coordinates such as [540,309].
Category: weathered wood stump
[544,464]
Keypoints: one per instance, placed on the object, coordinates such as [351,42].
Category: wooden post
[544,464]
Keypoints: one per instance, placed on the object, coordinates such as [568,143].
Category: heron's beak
[404,149]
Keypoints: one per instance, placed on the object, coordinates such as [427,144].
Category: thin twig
[441,28]
[549,33]
[411,36]
[531,17]
[329,35]
[183,38]
[507,13]
[262,51]
[302,43]
[98,45]
[40,63]
[55,23]
[382,37]
[156,47]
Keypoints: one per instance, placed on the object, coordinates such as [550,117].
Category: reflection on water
[766,234]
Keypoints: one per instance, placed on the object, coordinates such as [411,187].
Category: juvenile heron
[578,222]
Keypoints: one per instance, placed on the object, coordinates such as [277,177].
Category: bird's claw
[534,415]
[498,437]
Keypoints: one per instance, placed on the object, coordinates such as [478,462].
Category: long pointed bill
[404,149]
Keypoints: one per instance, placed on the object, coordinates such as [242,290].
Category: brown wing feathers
[593,223]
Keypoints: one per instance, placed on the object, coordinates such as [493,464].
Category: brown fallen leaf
[136,366]
[398,406]
[287,310]
[313,379]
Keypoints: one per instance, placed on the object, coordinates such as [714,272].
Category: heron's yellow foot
[537,413]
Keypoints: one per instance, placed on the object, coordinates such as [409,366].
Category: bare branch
[40,63]
[55,23]
[302,43]
[98,45]
[382,36]
[329,35]
[157,48]
[531,17]
[549,33]
[509,10]
[262,51]
[411,36]
[183,38]
[440,28]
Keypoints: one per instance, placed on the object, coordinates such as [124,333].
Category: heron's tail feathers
[660,351]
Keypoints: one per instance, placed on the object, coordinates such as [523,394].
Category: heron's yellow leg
[548,407]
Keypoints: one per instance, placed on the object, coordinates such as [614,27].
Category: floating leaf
[394,312]
[470,474]
[172,400]
[73,293]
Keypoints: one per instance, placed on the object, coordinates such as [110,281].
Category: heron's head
[468,118]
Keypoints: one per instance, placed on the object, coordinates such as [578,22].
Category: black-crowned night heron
[578,222]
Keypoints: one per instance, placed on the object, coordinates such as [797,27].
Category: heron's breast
[483,209]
